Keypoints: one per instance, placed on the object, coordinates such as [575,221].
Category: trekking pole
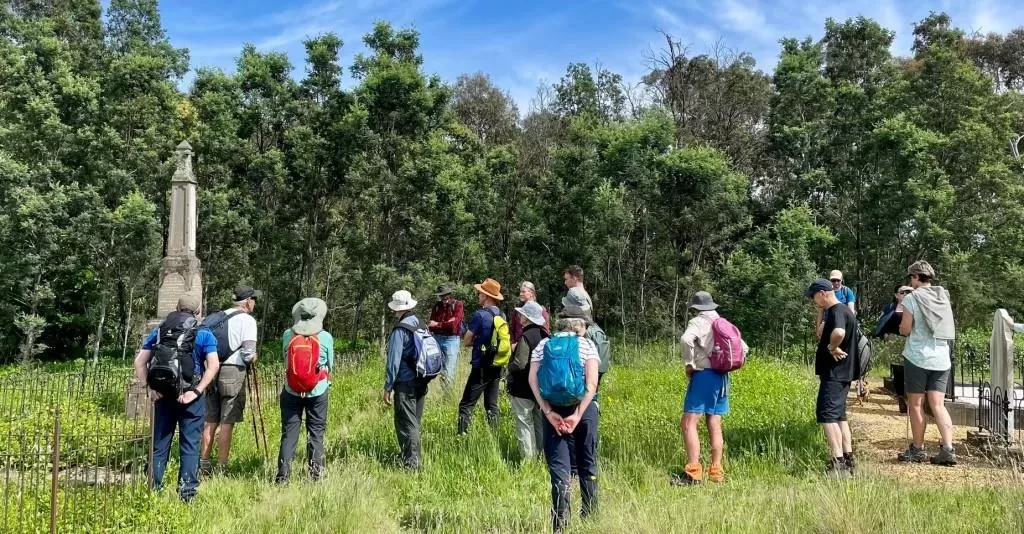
[259,411]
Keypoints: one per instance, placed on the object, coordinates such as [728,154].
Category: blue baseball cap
[818,285]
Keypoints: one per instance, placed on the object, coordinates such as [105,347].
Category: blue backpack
[560,377]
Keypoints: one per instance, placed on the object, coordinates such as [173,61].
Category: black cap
[246,292]
[818,285]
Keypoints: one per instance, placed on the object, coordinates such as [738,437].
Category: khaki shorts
[225,401]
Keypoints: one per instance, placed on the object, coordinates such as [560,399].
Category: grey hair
[570,324]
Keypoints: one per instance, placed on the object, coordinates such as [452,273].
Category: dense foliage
[712,175]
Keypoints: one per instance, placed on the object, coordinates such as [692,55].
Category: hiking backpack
[217,324]
[172,367]
[427,355]
[865,352]
[604,347]
[304,370]
[500,347]
[727,352]
[560,377]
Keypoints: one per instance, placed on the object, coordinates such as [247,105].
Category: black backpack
[172,366]
[217,324]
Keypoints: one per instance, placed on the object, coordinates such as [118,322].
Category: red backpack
[303,356]
[727,352]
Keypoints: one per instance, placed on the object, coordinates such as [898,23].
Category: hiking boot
[945,457]
[691,476]
[716,473]
[848,458]
[913,454]
[836,469]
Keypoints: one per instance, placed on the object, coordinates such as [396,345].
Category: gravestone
[180,272]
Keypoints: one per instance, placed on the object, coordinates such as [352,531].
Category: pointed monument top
[183,169]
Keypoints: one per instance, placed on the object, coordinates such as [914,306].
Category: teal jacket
[326,359]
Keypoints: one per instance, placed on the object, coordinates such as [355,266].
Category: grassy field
[480,484]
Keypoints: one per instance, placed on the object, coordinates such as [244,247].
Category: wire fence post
[152,438]
[54,477]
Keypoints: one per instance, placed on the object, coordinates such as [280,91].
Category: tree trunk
[128,322]
[99,329]
[357,320]
[675,308]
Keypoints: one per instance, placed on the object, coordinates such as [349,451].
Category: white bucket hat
[401,301]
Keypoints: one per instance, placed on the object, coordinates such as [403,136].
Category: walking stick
[255,433]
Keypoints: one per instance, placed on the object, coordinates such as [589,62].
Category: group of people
[924,316]
[552,377]
[564,429]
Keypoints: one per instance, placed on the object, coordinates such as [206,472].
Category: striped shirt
[587,349]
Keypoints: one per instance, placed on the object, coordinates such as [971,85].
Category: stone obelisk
[180,272]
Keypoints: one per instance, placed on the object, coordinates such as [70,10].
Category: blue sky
[526,42]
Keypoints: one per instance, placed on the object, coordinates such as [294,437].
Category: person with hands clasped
[563,378]
[835,368]
[178,362]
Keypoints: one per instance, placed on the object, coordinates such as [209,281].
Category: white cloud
[746,18]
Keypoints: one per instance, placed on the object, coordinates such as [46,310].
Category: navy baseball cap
[818,285]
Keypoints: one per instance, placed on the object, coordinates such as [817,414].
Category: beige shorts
[225,401]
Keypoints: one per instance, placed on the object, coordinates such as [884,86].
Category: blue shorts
[708,393]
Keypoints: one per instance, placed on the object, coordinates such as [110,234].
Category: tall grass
[479,482]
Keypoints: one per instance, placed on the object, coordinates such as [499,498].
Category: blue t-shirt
[204,344]
[846,295]
[482,326]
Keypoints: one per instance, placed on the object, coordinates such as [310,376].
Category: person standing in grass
[563,378]
[309,355]
[184,410]
[928,324]
[484,377]
[529,419]
[236,333]
[707,394]
[402,388]
[834,363]
[527,294]
[573,277]
[445,324]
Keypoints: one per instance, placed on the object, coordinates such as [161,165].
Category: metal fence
[977,402]
[75,446]
[69,454]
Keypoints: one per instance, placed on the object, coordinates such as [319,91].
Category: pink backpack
[727,354]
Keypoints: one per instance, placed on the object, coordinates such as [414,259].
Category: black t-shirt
[826,366]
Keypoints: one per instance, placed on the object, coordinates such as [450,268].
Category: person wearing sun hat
[484,378]
[529,419]
[402,388]
[707,393]
[446,324]
[308,320]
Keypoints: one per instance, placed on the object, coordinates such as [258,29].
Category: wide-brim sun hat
[308,315]
[491,288]
[532,312]
[702,301]
[443,290]
[402,300]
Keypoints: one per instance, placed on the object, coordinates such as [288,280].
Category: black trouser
[408,401]
[562,449]
[572,446]
[292,407]
[484,380]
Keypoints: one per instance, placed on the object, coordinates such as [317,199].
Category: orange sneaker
[716,473]
[692,475]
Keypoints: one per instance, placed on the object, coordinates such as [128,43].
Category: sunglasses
[837,281]
[905,292]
